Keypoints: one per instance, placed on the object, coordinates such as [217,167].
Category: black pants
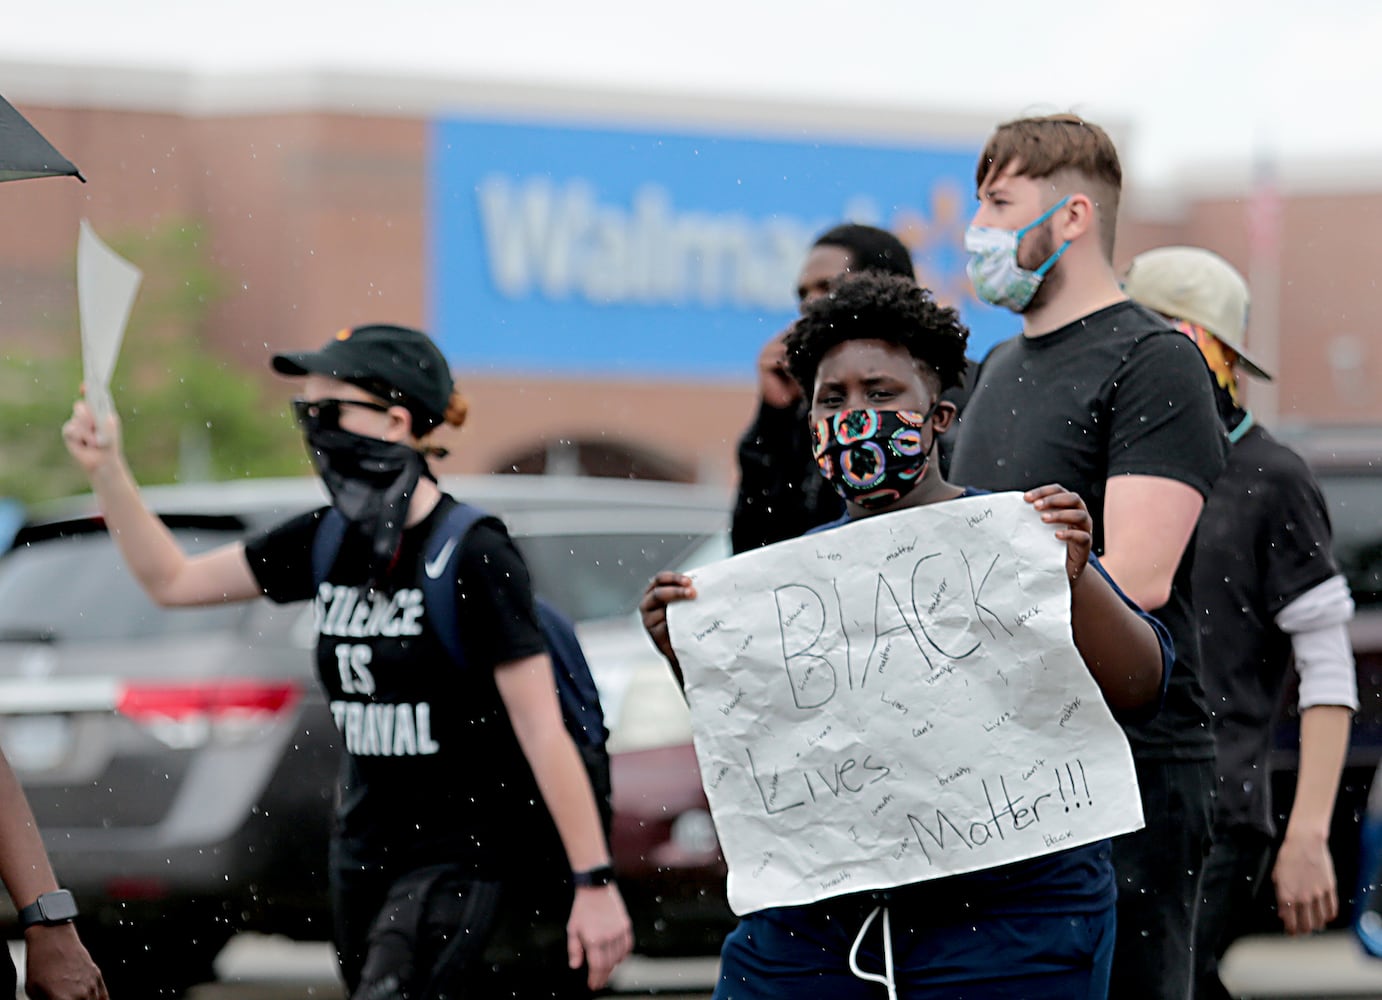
[437,934]
[1233,876]
[9,977]
[1158,870]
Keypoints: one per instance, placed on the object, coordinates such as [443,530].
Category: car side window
[76,589]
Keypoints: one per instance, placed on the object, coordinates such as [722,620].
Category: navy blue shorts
[803,951]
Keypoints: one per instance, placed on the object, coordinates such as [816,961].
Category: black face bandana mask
[370,482]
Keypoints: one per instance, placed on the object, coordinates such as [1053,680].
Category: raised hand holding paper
[106,287]
[897,700]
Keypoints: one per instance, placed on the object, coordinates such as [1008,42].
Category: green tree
[186,413]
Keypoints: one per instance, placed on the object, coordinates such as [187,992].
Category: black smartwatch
[593,878]
[49,910]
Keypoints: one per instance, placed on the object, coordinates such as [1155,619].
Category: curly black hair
[874,306]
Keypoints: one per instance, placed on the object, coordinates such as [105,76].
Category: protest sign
[897,700]
[106,287]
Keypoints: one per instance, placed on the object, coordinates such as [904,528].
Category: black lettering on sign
[1076,791]
[900,551]
[709,630]
[762,864]
[888,619]
[835,880]
[769,794]
[998,721]
[977,590]
[937,836]
[1069,710]
[804,666]
[918,589]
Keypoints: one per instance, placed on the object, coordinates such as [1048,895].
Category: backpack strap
[326,544]
[576,690]
[440,555]
[580,698]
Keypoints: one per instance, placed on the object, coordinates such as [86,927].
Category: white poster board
[897,700]
[106,287]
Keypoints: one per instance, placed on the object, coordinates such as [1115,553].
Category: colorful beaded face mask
[873,457]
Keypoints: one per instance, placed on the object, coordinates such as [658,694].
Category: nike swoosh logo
[433,567]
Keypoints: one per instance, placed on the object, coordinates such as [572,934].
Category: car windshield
[77,589]
[1353,509]
[601,574]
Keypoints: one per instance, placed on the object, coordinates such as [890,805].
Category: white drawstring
[887,978]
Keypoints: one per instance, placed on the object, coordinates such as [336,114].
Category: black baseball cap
[396,363]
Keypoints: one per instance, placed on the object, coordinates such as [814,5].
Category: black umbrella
[25,153]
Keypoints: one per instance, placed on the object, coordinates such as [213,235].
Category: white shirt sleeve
[1317,622]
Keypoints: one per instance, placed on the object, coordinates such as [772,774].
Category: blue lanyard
[1243,427]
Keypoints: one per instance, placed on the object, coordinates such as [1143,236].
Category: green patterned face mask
[993,269]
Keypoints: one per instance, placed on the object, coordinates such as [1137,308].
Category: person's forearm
[565,788]
[1324,736]
[148,547]
[1120,649]
[24,866]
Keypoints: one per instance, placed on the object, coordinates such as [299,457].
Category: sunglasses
[325,414]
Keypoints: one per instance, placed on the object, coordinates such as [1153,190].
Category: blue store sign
[598,252]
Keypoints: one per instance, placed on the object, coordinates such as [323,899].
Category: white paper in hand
[897,700]
[106,286]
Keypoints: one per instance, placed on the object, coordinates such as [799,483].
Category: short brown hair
[1054,144]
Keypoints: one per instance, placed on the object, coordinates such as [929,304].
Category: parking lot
[1332,966]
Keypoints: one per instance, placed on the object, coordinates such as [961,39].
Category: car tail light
[190,715]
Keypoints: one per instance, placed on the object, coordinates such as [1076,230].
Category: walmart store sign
[598,252]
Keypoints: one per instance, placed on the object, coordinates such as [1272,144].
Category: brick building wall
[317,220]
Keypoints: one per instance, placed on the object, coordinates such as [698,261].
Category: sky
[1198,83]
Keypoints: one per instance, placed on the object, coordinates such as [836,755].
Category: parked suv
[181,762]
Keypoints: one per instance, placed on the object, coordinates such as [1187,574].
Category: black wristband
[49,910]
[593,878]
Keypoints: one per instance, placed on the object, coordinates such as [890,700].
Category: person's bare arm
[1119,648]
[168,575]
[599,931]
[1148,521]
[57,965]
[1306,889]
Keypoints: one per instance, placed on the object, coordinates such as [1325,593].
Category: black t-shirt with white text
[1118,392]
[432,771]
[1264,540]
